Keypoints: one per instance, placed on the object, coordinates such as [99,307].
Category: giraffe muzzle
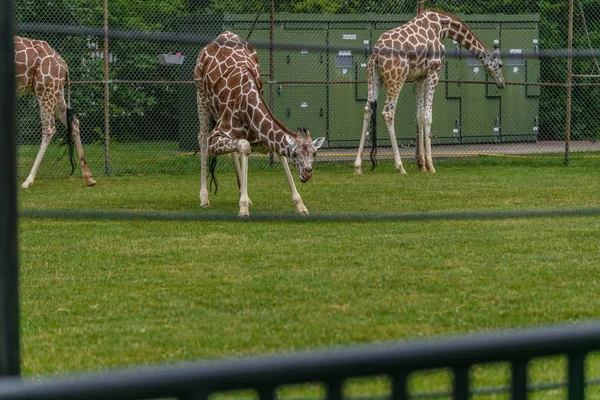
[305,176]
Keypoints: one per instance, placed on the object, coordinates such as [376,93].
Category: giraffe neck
[454,28]
[269,130]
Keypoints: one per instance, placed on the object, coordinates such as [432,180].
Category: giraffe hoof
[357,170]
[91,182]
[401,171]
[205,205]
[25,185]
[243,216]
[303,212]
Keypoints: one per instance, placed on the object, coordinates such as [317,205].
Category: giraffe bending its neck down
[229,87]
[40,69]
[415,51]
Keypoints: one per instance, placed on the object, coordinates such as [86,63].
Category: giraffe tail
[212,166]
[69,139]
[373,130]
[70,118]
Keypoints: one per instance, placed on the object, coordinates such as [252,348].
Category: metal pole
[10,363]
[106,99]
[569,84]
[271,64]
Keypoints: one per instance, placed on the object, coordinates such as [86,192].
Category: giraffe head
[493,64]
[302,152]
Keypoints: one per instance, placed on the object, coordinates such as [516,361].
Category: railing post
[266,393]
[576,376]
[107,169]
[518,387]
[10,363]
[569,85]
[400,386]
[334,390]
[461,382]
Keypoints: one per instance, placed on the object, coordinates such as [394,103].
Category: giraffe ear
[318,142]
[291,142]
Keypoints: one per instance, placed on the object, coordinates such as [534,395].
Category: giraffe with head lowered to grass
[415,51]
[41,70]
[229,89]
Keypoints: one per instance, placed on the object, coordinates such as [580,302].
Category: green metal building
[319,74]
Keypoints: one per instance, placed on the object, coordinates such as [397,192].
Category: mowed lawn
[99,294]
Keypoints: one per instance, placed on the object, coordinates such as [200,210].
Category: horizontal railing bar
[315,366]
[201,40]
[341,217]
[326,82]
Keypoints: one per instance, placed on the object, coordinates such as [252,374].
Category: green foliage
[136,60]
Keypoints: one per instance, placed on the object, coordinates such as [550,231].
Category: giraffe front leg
[420,86]
[243,148]
[298,203]
[238,172]
[432,80]
[203,142]
[363,137]
[225,145]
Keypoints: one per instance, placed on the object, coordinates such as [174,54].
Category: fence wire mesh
[152,106]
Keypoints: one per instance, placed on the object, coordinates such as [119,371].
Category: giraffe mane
[456,18]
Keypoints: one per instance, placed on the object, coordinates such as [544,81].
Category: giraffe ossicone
[415,51]
[41,70]
[229,89]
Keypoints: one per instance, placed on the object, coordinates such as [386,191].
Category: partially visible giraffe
[415,51]
[229,88]
[40,69]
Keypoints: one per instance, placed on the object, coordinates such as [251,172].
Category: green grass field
[100,294]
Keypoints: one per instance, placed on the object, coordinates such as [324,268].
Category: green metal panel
[445,127]
[480,104]
[304,64]
[302,105]
[519,111]
[346,64]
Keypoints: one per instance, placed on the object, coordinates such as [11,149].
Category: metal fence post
[106,95]
[10,363]
[569,84]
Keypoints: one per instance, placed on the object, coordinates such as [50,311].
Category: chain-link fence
[151,105]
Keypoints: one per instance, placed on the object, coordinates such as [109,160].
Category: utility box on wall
[320,71]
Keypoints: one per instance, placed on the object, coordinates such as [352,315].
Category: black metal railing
[332,368]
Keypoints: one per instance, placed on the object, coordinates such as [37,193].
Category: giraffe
[40,69]
[229,88]
[415,51]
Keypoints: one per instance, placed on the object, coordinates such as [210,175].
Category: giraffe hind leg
[73,127]
[70,121]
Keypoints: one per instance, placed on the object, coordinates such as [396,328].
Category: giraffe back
[412,49]
[224,67]
[38,67]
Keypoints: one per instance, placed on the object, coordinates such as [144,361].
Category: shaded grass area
[102,294]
